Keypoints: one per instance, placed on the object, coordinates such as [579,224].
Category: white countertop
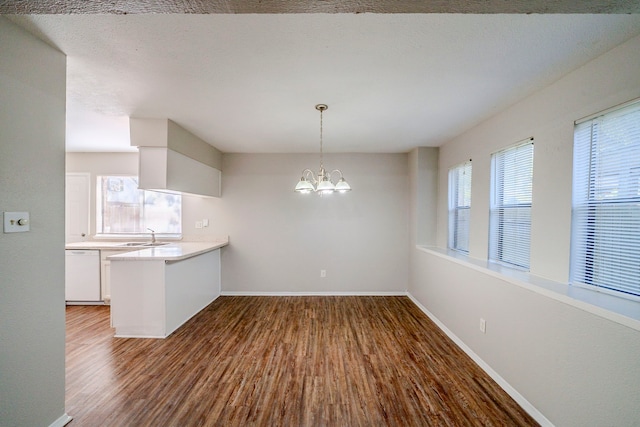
[173,251]
[99,245]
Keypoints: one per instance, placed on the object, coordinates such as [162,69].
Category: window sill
[620,310]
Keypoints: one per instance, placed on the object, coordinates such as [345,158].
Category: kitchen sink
[148,245]
[132,244]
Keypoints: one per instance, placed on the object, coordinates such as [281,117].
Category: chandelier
[323,182]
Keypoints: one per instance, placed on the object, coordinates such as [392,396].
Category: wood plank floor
[281,361]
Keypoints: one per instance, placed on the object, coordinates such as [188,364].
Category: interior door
[77,193]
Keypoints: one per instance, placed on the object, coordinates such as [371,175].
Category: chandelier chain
[321,155]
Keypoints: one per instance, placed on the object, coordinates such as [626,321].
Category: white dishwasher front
[82,277]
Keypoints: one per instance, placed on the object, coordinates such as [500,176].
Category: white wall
[32,132]
[280,240]
[577,368]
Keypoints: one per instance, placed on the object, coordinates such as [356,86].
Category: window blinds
[459,207]
[605,238]
[510,209]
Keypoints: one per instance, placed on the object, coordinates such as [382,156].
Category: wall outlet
[198,224]
[483,325]
[323,273]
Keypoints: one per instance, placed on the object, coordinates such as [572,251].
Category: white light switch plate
[16,222]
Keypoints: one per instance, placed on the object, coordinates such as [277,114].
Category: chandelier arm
[310,176]
[335,170]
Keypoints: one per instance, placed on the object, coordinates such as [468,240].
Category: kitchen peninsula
[156,289]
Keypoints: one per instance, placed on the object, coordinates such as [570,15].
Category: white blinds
[511,196]
[459,206]
[605,238]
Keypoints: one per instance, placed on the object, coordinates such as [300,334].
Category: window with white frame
[510,207]
[605,235]
[459,206]
[122,208]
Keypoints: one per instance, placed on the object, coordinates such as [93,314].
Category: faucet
[153,235]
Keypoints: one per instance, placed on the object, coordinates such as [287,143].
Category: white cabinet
[105,274]
[152,298]
[172,158]
[164,169]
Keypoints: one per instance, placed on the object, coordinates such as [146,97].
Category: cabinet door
[107,280]
[105,267]
[105,275]
[77,193]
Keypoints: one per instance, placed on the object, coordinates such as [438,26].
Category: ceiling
[318,6]
[249,82]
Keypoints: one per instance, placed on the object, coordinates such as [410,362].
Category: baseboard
[524,403]
[62,421]
[328,293]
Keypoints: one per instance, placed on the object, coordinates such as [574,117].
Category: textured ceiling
[325,6]
[249,82]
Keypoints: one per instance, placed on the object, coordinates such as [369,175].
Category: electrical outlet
[198,224]
[483,325]
[323,273]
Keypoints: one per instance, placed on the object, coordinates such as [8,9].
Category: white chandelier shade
[323,182]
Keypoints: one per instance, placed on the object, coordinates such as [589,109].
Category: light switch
[16,222]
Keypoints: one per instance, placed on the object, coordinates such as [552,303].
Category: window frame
[143,232]
[605,210]
[457,210]
[513,214]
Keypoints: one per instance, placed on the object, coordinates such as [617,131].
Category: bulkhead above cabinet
[173,159]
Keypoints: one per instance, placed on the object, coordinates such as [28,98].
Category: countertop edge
[170,252]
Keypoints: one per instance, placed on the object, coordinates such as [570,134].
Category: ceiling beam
[123,7]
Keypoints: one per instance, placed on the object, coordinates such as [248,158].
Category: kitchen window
[123,209]
[605,235]
[510,207]
[459,207]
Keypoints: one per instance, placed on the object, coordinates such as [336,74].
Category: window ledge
[620,310]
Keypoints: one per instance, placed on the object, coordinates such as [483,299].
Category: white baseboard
[304,294]
[524,403]
[62,421]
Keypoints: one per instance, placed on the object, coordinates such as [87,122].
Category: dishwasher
[82,277]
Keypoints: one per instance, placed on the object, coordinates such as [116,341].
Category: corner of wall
[423,184]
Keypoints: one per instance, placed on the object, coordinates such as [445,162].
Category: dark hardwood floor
[281,361]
